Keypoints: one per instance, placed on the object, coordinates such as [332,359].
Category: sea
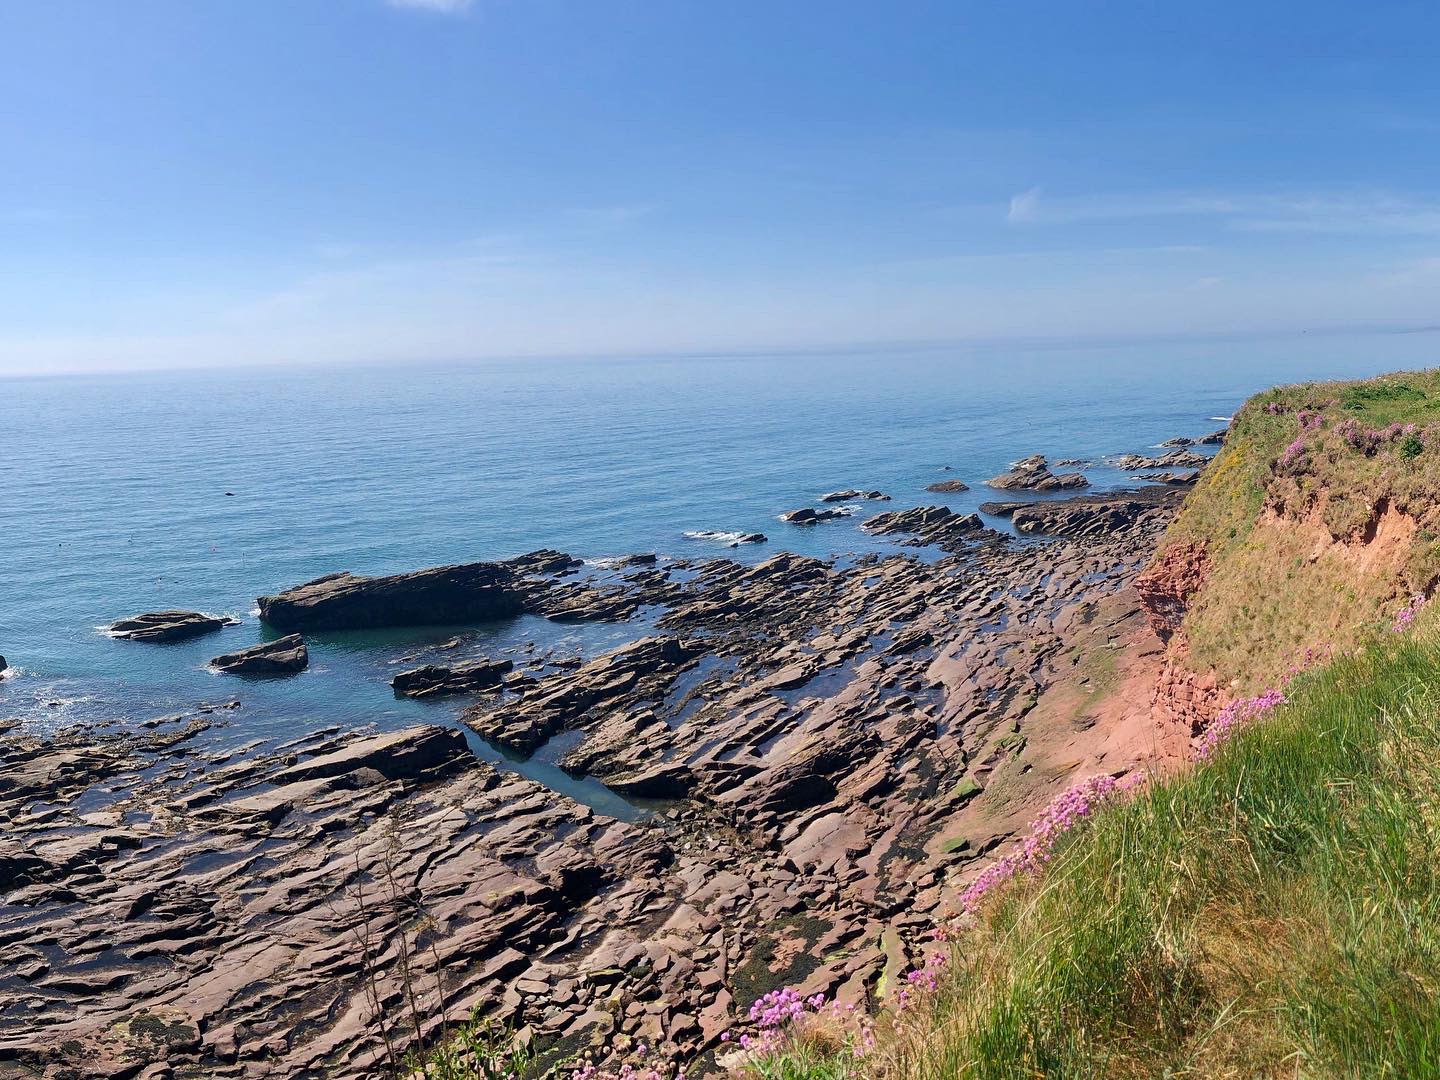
[126,493]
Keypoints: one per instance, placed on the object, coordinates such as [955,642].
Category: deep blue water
[115,487]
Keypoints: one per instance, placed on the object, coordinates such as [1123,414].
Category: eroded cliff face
[1168,584]
[1331,587]
[1181,697]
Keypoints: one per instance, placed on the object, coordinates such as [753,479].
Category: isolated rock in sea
[854,493]
[809,516]
[1179,440]
[1175,459]
[168,626]
[1032,474]
[472,592]
[282,656]
[432,680]
[749,538]
[941,486]
[3,665]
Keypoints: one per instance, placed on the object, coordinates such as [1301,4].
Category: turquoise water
[115,488]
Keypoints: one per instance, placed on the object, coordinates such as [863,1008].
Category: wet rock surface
[162,626]
[810,516]
[947,485]
[835,747]
[283,656]
[433,680]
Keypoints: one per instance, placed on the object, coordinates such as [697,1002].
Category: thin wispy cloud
[1357,214]
[441,7]
[1023,207]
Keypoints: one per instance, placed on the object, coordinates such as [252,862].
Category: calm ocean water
[115,489]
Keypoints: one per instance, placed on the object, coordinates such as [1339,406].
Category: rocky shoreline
[828,749]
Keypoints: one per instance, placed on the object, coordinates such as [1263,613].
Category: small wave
[719,537]
[1222,419]
[11,672]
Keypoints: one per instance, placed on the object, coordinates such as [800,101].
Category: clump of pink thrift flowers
[782,1016]
[1232,717]
[1065,811]
[1406,615]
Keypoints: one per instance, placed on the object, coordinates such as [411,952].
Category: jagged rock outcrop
[930,524]
[472,592]
[283,656]
[1091,515]
[1033,474]
[163,626]
[1175,459]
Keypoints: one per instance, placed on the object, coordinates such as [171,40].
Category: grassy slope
[1273,591]
[1276,913]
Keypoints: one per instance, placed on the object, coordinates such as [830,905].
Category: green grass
[1275,913]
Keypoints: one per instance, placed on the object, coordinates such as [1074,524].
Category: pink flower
[1065,811]
[1406,615]
[1232,717]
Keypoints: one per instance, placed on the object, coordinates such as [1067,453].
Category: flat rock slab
[283,656]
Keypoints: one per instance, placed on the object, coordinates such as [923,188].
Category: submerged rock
[169,625]
[1033,474]
[432,680]
[471,592]
[729,539]
[283,656]
[854,493]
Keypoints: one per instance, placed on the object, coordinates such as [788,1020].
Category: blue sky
[261,181]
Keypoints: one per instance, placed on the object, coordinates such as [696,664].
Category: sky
[190,183]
